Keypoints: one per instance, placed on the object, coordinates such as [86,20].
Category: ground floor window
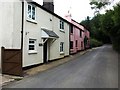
[32,43]
[81,44]
[71,44]
[61,46]
[76,43]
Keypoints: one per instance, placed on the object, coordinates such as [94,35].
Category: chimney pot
[49,5]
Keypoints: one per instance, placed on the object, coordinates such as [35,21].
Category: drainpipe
[22,25]
[22,28]
[70,25]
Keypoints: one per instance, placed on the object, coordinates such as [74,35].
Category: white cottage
[41,34]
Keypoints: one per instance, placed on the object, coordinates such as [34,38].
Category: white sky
[79,9]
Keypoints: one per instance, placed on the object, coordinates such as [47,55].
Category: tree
[108,24]
[86,23]
[97,5]
[116,29]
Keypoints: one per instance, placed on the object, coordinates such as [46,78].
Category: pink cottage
[79,36]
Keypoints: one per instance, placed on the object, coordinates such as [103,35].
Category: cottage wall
[32,30]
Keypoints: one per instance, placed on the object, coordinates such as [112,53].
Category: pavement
[95,69]
[6,79]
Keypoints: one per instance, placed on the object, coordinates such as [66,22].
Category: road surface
[95,69]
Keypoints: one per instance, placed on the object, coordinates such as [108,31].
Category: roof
[35,3]
[81,24]
[50,33]
[75,21]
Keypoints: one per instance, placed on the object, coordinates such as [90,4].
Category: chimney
[49,5]
[68,17]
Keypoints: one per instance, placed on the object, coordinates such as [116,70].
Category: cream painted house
[41,34]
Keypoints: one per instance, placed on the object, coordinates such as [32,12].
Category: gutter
[22,25]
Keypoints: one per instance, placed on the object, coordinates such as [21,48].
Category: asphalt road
[95,69]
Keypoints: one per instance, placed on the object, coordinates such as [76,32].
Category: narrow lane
[95,69]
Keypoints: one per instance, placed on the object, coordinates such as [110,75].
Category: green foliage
[96,30]
[105,28]
[97,5]
[95,43]
[116,43]
[115,33]
[110,24]
[107,22]
[86,23]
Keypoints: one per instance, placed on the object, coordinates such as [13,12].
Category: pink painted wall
[75,36]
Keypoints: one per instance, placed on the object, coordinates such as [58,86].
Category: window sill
[62,30]
[62,53]
[32,52]
[32,21]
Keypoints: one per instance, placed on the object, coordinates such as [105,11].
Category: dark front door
[45,52]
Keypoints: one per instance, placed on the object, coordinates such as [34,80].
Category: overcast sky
[79,9]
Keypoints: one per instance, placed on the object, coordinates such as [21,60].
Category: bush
[95,43]
[116,44]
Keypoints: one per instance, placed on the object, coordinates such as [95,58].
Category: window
[32,44]
[31,12]
[80,33]
[61,46]
[61,24]
[71,29]
[81,44]
[71,44]
[76,43]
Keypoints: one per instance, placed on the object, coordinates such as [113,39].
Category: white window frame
[33,44]
[61,47]
[30,18]
[61,25]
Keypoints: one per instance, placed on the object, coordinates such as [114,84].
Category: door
[45,52]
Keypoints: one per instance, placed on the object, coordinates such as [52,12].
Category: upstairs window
[80,33]
[71,29]
[31,12]
[61,25]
